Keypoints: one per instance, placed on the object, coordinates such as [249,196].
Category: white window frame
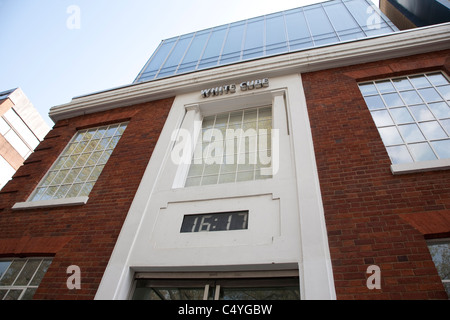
[69,201]
[28,285]
[415,166]
[195,113]
[237,145]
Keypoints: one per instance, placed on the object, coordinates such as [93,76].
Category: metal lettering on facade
[231,88]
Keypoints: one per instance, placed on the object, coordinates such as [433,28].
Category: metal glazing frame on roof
[278,33]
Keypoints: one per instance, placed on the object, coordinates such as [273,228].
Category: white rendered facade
[286,227]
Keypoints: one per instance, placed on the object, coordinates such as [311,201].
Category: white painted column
[279,122]
[279,111]
[185,141]
[316,274]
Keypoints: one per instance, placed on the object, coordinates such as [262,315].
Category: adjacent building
[407,14]
[299,155]
[21,130]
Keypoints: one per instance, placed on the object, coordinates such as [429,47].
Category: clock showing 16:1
[223,221]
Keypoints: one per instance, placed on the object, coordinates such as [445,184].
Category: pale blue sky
[109,44]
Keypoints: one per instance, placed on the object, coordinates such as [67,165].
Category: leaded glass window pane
[232,147]
[80,164]
[412,115]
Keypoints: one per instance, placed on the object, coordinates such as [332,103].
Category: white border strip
[403,43]
[51,203]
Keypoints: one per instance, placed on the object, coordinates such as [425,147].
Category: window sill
[423,166]
[50,203]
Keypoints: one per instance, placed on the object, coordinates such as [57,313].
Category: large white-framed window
[412,114]
[230,141]
[233,146]
[20,278]
[75,172]
[81,163]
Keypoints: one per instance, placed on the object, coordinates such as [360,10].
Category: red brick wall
[372,216]
[80,235]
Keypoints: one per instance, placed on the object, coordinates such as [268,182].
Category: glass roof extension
[282,32]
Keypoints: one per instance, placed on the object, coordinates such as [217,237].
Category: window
[412,115]
[247,286]
[440,252]
[232,147]
[20,278]
[81,163]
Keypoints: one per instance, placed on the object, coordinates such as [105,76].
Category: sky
[55,50]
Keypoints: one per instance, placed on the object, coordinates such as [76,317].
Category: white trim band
[50,203]
[421,166]
[408,42]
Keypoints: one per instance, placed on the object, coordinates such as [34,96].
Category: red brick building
[372,215]
[21,130]
[350,204]
[82,235]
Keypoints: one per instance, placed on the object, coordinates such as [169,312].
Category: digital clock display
[223,221]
